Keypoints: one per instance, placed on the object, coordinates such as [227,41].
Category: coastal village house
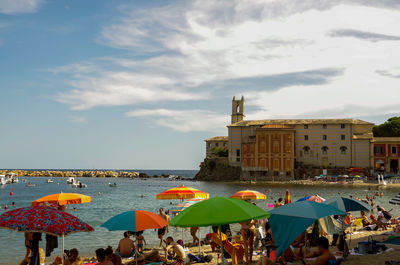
[275,148]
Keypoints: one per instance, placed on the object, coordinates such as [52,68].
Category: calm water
[127,196]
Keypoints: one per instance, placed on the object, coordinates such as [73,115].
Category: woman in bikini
[248,233]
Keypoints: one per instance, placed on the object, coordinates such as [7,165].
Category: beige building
[276,147]
[217,141]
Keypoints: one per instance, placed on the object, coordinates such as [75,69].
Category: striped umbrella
[249,195]
[135,221]
[314,198]
[288,198]
[182,193]
[62,199]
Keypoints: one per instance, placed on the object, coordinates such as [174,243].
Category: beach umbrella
[216,212]
[348,205]
[314,198]
[290,220]
[62,199]
[136,220]
[43,220]
[288,198]
[249,195]
[182,193]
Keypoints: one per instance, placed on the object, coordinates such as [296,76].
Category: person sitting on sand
[73,258]
[111,256]
[148,258]
[324,256]
[126,247]
[364,219]
[140,241]
[378,224]
[101,257]
[178,253]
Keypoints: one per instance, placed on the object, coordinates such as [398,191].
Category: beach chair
[235,250]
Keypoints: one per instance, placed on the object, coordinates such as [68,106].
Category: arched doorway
[394,165]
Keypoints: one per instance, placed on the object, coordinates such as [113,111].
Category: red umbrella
[43,220]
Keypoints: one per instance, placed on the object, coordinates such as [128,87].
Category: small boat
[3,180]
[71,180]
[112,184]
[11,178]
[78,184]
[49,181]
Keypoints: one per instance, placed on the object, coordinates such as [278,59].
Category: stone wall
[218,169]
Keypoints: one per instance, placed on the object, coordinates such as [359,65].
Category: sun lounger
[235,250]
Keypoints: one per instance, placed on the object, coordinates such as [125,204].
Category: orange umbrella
[182,192]
[62,199]
[249,195]
[288,198]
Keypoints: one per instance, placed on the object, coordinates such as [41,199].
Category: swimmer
[6,207]
[98,194]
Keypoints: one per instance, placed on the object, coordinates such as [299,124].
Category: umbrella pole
[222,246]
[62,250]
[199,241]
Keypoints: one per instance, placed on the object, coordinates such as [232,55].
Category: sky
[141,84]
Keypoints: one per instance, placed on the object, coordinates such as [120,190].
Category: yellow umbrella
[62,199]
[182,193]
[249,195]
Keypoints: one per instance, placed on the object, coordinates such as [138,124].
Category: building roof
[298,121]
[386,139]
[276,126]
[364,136]
[217,139]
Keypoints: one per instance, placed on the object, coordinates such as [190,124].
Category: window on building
[324,150]
[209,144]
[394,150]
[378,150]
[343,137]
[324,137]
[324,126]
[306,149]
[224,144]
[216,144]
[238,152]
[305,126]
[306,137]
[342,126]
[237,159]
[343,150]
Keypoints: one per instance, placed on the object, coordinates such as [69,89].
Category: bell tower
[237,110]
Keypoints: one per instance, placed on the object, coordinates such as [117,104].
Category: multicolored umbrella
[249,195]
[288,198]
[43,220]
[182,193]
[348,205]
[135,221]
[314,198]
[62,199]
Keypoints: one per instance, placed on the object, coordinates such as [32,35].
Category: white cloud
[184,120]
[19,6]
[77,119]
[207,42]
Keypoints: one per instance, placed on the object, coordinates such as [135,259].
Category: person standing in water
[161,231]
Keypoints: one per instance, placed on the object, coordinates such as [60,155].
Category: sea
[140,194]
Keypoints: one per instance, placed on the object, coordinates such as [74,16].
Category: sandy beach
[393,252]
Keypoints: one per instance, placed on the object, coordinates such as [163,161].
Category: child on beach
[140,240]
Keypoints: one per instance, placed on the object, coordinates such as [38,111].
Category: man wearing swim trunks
[178,253]
[126,247]
[161,231]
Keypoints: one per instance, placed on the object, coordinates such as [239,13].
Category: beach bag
[367,246]
[205,258]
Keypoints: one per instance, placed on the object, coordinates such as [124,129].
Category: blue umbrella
[348,205]
[289,221]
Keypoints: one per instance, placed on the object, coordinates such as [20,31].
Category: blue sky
[141,84]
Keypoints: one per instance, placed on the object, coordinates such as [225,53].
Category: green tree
[219,152]
[390,128]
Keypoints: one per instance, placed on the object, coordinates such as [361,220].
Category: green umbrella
[216,212]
